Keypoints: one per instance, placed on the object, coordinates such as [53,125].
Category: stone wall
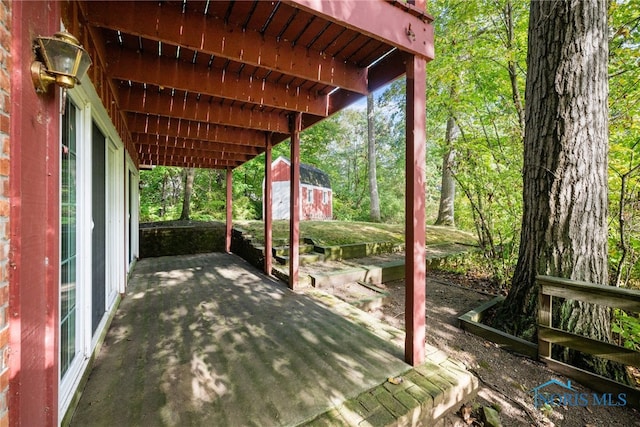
[168,240]
[243,246]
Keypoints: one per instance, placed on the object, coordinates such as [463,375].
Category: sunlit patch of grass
[343,233]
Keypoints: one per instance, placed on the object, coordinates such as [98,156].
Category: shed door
[98,242]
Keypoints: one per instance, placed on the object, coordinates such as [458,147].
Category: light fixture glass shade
[64,59]
[84,62]
[59,56]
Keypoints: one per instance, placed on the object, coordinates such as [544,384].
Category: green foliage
[162,191]
[160,194]
[245,207]
[470,82]
[624,130]
[627,329]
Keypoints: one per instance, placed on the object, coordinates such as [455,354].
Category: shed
[316,196]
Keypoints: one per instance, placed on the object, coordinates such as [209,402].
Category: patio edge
[424,396]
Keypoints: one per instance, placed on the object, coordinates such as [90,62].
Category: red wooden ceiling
[205,83]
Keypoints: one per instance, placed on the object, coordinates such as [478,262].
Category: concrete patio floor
[209,340]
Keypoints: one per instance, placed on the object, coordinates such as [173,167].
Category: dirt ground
[506,380]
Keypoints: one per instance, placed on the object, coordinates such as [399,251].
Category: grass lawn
[330,233]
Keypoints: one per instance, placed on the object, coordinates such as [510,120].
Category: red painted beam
[268,207]
[229,225]
[203,131]
[415,257]
[409,32]
[384,72]
[168,72]
[211,36]
[181,160]
[187,152]
[33,188]
[193,144]
[294,216]
[155,158]
[187,161]
[163,104]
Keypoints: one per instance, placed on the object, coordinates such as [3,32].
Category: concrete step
[305,258]
[376,274]
[284,250]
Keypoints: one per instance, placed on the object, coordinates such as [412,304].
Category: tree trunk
[188,188]
[448,190]
[163,199]
[507,14]
[371,144]
[564,226]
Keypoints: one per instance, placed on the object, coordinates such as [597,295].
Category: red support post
[294,217]
[227,243]
[415,258]
[31,211]
[268,208]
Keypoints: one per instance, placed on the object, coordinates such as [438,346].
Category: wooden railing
[625,299]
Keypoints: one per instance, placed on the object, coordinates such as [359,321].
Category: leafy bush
[245,208]
[627,329]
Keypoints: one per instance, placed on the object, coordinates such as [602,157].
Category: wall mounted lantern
[64,62]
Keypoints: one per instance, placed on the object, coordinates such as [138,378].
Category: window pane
[68,239]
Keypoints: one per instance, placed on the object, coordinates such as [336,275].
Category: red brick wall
[5,102]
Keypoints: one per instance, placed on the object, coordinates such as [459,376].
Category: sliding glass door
[98,234]
[68,224]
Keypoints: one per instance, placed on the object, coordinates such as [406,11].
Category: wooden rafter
[169,25]
[196,74]
[164,143]
[410,32]
[171,73]
[203,131]
[163,104]
[189,152]
[186,161]
[383,72]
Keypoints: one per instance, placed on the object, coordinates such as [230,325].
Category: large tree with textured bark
[564,226]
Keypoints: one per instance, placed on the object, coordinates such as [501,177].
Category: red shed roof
[309,174]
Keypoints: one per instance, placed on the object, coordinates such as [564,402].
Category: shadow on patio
[208,340]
